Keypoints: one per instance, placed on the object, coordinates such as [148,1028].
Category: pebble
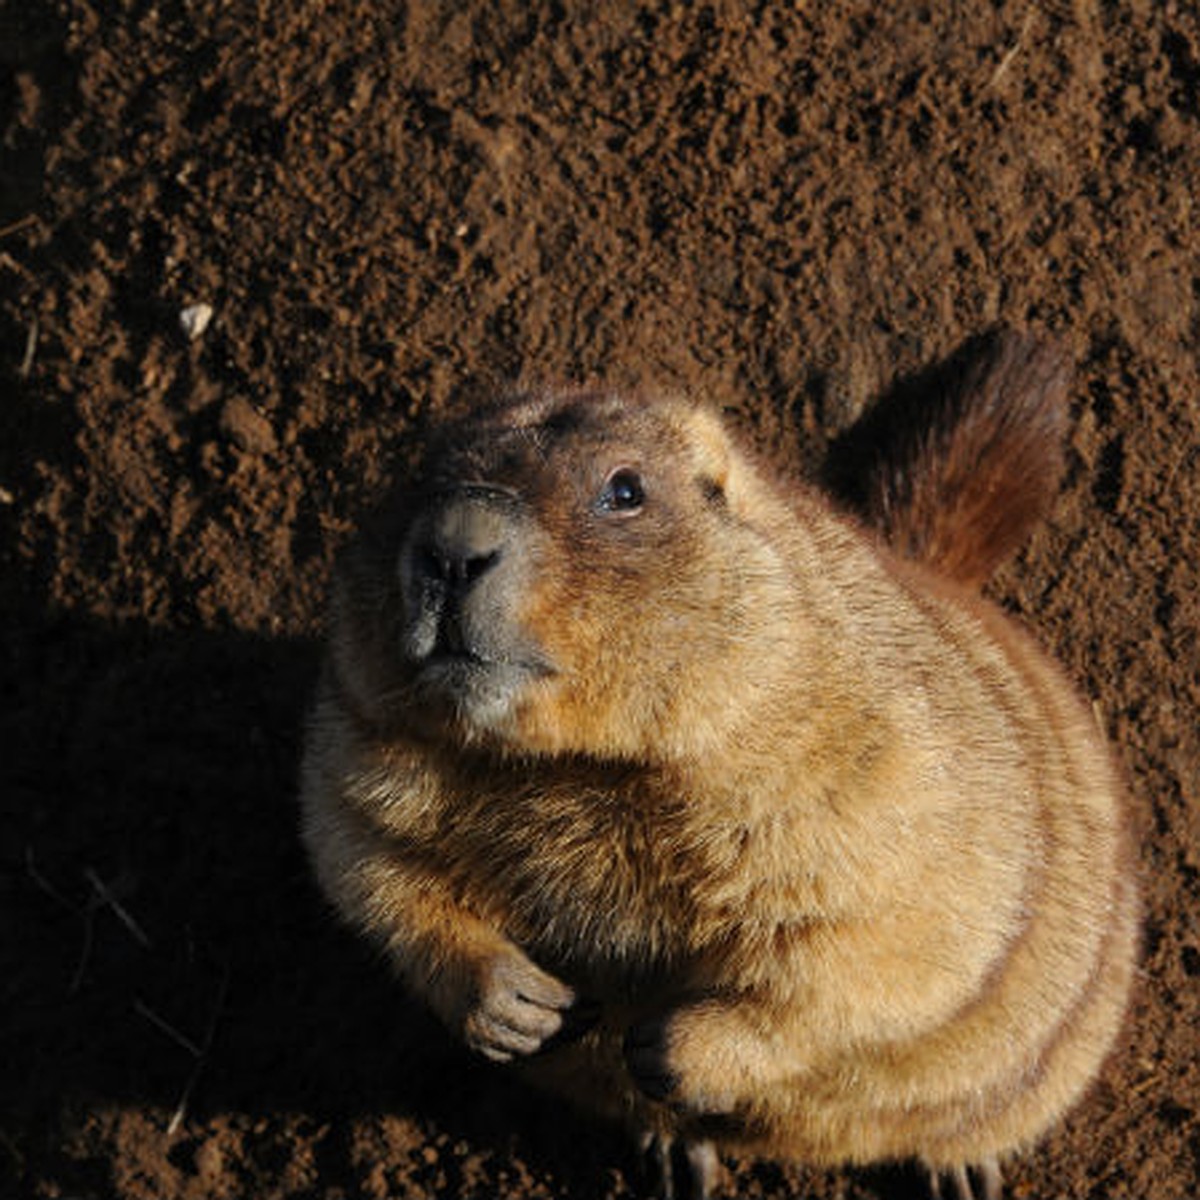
[194,320]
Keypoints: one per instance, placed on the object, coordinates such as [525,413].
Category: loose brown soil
[389,207]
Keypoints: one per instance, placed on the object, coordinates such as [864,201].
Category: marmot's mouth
[443,659]
[478,688]
[476,694]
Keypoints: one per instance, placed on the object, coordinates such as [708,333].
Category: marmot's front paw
[694,1059]
[513,1007]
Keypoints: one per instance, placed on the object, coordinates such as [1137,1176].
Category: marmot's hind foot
[679,1169]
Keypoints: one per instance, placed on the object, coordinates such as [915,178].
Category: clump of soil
[390,208]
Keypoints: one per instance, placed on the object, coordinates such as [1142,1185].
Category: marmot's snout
[463,568]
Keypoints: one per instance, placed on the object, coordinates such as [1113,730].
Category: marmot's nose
[465,538]
[456,568]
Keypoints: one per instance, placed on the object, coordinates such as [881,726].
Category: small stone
[194,320]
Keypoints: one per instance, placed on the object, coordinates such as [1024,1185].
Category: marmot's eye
[622,492]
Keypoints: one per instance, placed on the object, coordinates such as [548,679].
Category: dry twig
[31,340]
[164,1026]
[103,897]
[17,226]
[119,911]
[86,913]
[1013,50]
[180,1113]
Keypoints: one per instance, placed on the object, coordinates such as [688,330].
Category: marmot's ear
[712,450]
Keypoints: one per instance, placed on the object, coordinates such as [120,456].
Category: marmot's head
[564,573]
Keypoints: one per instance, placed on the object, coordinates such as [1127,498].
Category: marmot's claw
[680,1170]
[980,1182]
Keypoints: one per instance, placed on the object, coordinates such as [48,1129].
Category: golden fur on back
[612,719]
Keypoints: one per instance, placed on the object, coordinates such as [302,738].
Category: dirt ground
[389,207]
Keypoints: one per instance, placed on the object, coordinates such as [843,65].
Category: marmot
[736,817]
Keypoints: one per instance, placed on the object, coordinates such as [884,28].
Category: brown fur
[959,464]
[833,847]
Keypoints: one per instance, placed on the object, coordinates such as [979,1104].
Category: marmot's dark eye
[622,492]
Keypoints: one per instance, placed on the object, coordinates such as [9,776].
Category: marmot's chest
[604,896]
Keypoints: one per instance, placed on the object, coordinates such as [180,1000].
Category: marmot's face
[564,574]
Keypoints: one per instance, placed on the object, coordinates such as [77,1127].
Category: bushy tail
[956,467]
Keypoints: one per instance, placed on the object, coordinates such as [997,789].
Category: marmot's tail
[957,467]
